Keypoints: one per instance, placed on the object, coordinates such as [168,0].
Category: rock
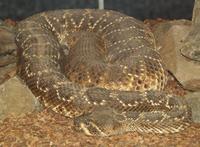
[196,13]
[16,99]
[191,45]
[193,100]
[193,84]
[8,49]
[7,72]
[7,38]
[169,38]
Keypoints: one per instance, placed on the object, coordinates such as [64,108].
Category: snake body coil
[101,68]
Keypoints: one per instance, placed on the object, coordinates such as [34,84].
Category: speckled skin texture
[102,69]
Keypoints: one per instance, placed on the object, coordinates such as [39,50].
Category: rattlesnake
[101,68]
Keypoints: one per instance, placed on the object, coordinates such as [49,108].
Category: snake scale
[101,68]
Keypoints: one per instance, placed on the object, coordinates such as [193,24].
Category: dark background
[141,9]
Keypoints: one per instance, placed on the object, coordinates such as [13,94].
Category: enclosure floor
[49,129]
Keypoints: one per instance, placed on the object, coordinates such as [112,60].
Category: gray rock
[196,13]
[7,72]
[191,49]
[193,100]
[8,49]
[169,38]
[7,39]
[16,99]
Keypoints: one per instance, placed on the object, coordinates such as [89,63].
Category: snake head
[100,123]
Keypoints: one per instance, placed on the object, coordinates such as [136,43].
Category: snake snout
[88,126]
[100,123]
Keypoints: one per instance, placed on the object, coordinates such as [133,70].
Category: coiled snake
[101,68]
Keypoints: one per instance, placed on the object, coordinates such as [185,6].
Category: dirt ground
[49,129]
